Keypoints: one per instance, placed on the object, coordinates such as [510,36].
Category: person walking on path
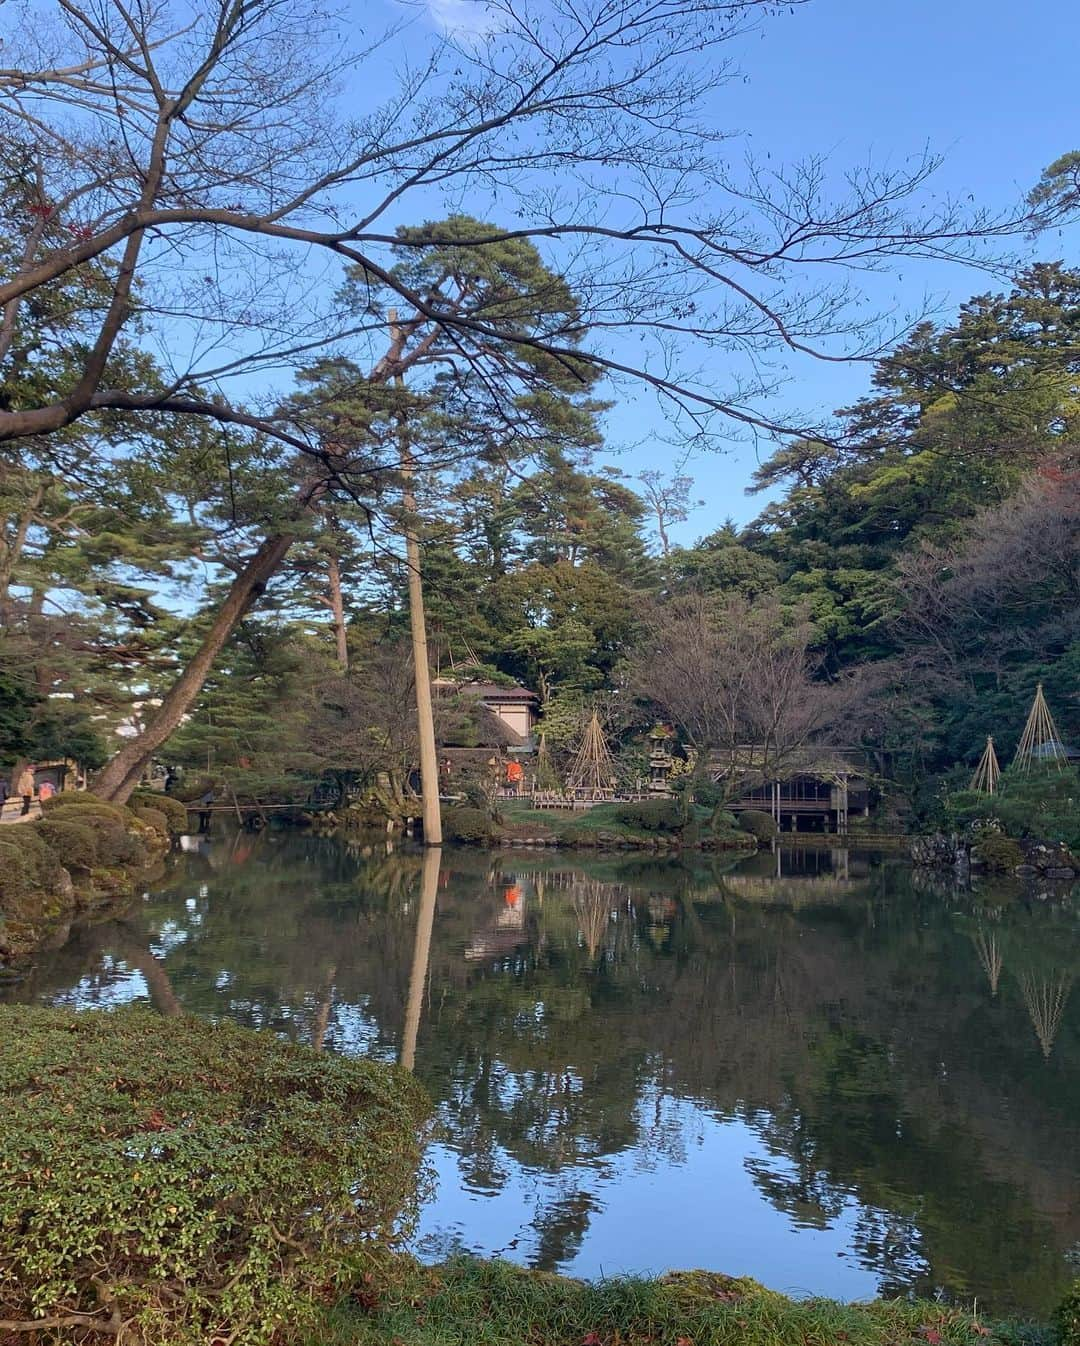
[25,786]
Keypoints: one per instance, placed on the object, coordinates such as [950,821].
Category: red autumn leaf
[591,1339]
[932,1335]
[156,1121]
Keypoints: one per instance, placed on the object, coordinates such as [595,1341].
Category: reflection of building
[819,790]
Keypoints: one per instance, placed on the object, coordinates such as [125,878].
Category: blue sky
[986,83]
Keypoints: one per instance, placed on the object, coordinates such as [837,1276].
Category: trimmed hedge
[73,843]
[651,815]
[173,810]
[468,826]
[153,818]
[24,846]
[71,800]
[758,824]
[193,1181]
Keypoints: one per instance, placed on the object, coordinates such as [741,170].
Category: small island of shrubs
[83,854]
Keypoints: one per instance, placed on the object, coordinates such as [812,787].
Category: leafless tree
[208,166]
[739,680]
[1006,589]
[669,500]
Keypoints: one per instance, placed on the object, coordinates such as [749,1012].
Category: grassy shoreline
[472,1302]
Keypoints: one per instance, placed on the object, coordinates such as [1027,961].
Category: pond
[814,1067]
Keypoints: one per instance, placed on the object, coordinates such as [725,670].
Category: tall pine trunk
[337,607]
[122,773]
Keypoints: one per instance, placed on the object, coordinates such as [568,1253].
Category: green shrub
[469,826]
[1042,803]
[83,799]
[651,815]
[196,1181]
[758,824]
[708,793]
[117,848]
[20,891]
[73,844]
[1068,1317]
[174,811]
[27,844]
[997,851]
[152,818]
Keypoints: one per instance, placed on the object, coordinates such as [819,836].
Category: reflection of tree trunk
[124,770]
[158,983]
[337,607]
[425,920]
[322,1012]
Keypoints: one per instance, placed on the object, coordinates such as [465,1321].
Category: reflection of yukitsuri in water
[1045,999]
[989,951]
[593,902]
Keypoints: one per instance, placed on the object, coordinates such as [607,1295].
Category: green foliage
[997,851]
[73,843]
[1068,1317]
[757,824]
[708,793]
[26,842]
[222,1180]
[1042,804]
[71,802]
[467,1302]
[153,818]
[468,826]
[176,814]
[651,815]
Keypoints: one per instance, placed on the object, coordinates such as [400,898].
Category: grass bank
[468,1302]
[604,826]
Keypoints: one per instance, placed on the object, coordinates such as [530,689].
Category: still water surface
[812,1067]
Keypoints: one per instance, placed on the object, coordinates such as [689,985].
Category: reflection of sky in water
[632,1077]
[114,984]
[700,1207]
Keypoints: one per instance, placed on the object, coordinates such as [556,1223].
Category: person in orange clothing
[515,774]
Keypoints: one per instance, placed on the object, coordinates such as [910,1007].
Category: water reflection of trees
[878,1039]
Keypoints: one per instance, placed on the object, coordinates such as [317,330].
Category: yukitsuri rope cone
[988,772]
[1040,737]
[592,772]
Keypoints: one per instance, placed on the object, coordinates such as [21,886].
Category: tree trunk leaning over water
[122,773]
